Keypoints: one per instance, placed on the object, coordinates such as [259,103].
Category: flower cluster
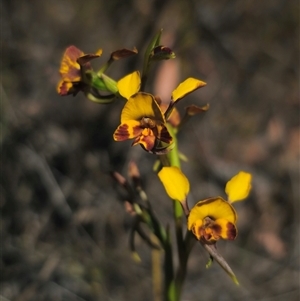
[213,218]
[78,75]
[154,126]
[143,117]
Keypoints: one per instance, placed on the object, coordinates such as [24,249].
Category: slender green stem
[170,289]
[173,288]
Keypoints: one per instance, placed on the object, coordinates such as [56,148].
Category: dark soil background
[64,227]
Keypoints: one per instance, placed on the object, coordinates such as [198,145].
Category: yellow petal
[175,182]
[187,87]
[227,230]
[195,229]
[129,84]
[141,105]
[215,208]
[128,130]
[238,187]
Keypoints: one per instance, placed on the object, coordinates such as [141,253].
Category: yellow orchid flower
[142,118]
[143,121]
[212,219]
[215,218]
[73,61]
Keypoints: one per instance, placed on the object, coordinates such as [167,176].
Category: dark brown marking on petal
[210,231]
[121,133]
[231,231]
[63,89]
[217,229]
[67,88]
[147,122]
[165,135]
[73,73]
[207,237]
[137,130]
[148,142]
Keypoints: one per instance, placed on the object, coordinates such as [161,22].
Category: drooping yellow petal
[215,208]
[238,187]
[128,130]
[228,230]
[129,84]
[175,182]
[142,105]
[196,227]
[187,87]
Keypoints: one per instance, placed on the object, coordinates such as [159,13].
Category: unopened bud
[162,53]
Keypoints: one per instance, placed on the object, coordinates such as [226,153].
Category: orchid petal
[228,229]
[141,105]
[187,87]
[175,182]
[129,84]
[214,208]
[128,130]
[146,139]
[238,187]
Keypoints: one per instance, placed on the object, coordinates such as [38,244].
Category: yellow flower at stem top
[142,118]
[73,66]
[215,218]
[143,121]
[212,219]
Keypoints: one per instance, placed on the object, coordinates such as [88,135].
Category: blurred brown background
[64,229]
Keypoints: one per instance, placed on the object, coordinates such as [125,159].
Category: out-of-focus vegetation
[64,229]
